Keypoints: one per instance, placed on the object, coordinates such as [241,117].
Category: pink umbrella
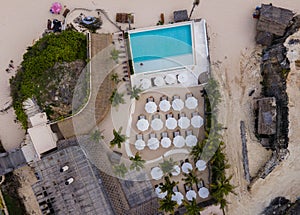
[56,7]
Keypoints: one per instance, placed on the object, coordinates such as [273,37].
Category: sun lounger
[188,95]
[164,134]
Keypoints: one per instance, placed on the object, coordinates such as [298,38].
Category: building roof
[274,19]
[266,116]
[180,15]
[124,17]
[85,195]
[43,138]
[39,118]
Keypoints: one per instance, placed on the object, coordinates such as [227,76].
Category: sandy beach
[231,30]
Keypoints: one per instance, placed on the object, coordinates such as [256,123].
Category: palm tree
[137,162]
[118,138]
[96,136]
[120,170]
[197,150]
[115,55]
[135,93]
[191,178]
[167,205]
[168,186]
[115,78]
[195,3]
[129,15]
[167,166]
[116,98]
[191,207]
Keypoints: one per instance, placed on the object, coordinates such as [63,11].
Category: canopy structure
[140,144]
[176,170]
[191,194]
[165,142]
[201,165]
[184,122]
[171,123]
[178,197]
[186,167]
[179,141]
[183,77]
[56,7]
[145,83]
[160,194]
[157,124]
[153,143]
[142,124]
[197,121]
[191,140]
[150,107]
[177,104]
[191,103]
[164,105]
[171,79]
[203,192]
[156,173]
[159,81]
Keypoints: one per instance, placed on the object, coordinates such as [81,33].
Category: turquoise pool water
[161,43]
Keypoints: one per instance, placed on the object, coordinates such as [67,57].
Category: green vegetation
[191,178]
[137,162]
[31,79]
[120,170]
[116,98]
[167,166]
[96,136]
[135,93]
[118,138]
[13,205]
[115,78]
[115,55]
[191,207]
[166,204]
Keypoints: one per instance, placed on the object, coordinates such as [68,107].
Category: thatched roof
[180,15]
[266,116]
[124,17]
[274,19]
[264,38]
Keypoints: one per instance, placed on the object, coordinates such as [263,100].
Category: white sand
[231,30]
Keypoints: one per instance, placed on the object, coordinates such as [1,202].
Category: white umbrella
[190,195]
[176,171]
[179,141]
[165,142]
[157,124]
[159,81]
[156,173]
[153,143]
[171,123]
[197,121]
[201,165]
[184,122]
[170,79]
[164,105]
[183,77]
[186,167]
[203,192]
[145,83]
[191,140]
[140,144]
[160,194]
[150,107]
[142,124]
[191,102]
[178,197]
[177,104]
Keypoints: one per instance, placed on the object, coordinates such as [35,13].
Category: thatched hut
[124,18]
[266,116]
[272,21]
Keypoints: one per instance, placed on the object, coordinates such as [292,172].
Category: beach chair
[176,133]
[141,117]
[152,135]
[164,134]
[176,97]
[195,114]
[187,188]
[156,116]
[164,98]
[182,114]
[188,95]
[139,137]
[200,184]
[176,189]
[189,132]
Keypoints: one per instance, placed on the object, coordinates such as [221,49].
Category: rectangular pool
[162,48]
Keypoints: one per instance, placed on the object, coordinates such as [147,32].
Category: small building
[266,110]
[272,21]
[180,16]
[124,18]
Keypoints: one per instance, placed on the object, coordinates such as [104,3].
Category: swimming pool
[162,48]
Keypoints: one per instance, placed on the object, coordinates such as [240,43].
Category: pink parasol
[56,7]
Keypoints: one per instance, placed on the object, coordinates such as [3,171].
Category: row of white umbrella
[177,105]
[178,197]
[170,79]
[178,141]
[171,123]
[157,173]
